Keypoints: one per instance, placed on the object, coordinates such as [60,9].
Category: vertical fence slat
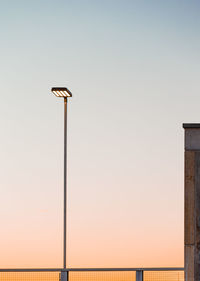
[64,275]
[139,275]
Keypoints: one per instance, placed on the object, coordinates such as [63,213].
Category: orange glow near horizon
[95,276]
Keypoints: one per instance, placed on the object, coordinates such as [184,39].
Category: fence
[93,274]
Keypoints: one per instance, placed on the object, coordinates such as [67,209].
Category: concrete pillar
[192,202]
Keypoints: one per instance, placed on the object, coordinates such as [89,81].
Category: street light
[64,93]
[61,92]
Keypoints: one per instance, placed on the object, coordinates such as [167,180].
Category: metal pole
[65,183]
[139,275]
[64,276]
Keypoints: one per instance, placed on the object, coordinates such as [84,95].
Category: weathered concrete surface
[189,197]
[192,139]
[197,217]
[189,262]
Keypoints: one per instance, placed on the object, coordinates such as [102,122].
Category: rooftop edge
[191,125]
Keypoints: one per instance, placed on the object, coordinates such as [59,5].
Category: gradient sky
[133,68]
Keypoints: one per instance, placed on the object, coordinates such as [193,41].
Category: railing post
[139,275]
[64,276]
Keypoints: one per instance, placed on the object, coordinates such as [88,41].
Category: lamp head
[61,92]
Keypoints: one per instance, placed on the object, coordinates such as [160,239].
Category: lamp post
[64,93]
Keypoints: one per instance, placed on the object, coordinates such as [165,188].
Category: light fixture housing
[61,92]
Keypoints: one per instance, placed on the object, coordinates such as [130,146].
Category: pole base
[64,276]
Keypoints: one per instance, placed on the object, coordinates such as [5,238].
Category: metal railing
[93,274]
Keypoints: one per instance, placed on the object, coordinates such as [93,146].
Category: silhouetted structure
[192,202]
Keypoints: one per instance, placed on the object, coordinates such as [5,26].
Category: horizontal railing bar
[91,269]
[30,269]
[127,269]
